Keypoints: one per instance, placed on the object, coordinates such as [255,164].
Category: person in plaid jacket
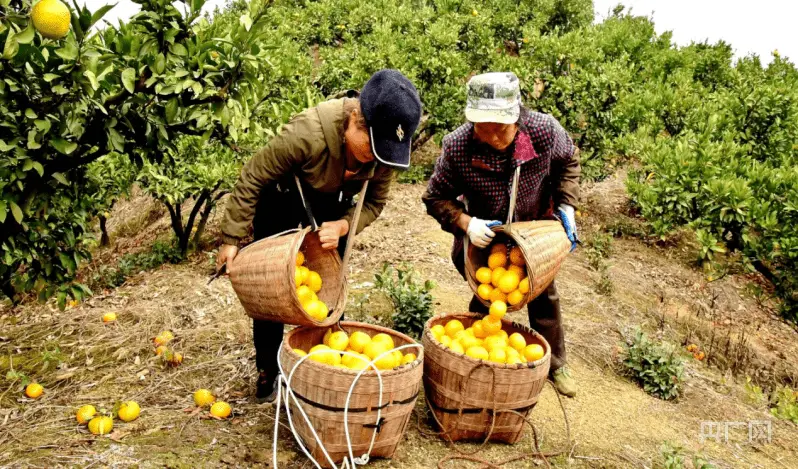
[471,186]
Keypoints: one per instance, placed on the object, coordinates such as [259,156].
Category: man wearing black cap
[331,148]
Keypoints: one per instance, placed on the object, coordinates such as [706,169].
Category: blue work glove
[566,214]
[479,232]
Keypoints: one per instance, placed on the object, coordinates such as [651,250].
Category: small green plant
[412,300]
[656,367]
[784,404]
[604,285]
[416,174]
[112,277]
[672,456]
[754,394]
[599,248]
[700,463]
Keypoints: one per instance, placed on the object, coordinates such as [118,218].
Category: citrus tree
[70,96]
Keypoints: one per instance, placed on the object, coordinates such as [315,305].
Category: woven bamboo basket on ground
[477,400]
[544,246]
[323,391]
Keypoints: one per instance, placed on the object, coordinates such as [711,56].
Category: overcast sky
[757,27]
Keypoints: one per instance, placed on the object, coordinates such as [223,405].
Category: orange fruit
[534,352]
[477,352]
[479,331]
[484,291]
[161,349]
[523,285]
[317,310]
[513,360]
[164,338]
[408,358]
[498,309]
[496,260]
[511,352]
[297,276]
[517,257]
[497,295]
[438,331]
[85,413]
[446,341]
[326,339]
[498,247]
[203,397]
[517,341]
[300,352]
[515,298]
[503,335]
[34,390]
[305,294]
[508,282]
[453,327]
[109,317]
[358,341]
[494,342]
[300,258]
[129,411]
[358,362]
[457,347]
[51,18]
[325,355]
[221,410]
[483,275]
[385,339]
[374,349]
[497,355]
[518,270]
[314,281]
[101,425]
[339,340]
[305,273]
[386,362]
[491,325]
[497,275]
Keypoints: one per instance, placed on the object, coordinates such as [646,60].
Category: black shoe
[267,388]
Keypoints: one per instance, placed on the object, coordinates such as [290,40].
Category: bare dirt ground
[613,423]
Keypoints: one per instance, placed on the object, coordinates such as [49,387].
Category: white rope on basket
[352,462]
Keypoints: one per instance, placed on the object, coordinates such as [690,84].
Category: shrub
[656,367]
[412,300]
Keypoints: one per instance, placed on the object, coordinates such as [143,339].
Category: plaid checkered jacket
[471,171]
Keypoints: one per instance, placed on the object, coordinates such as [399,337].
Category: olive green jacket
[311,147]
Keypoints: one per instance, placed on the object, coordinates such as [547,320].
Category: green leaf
[246,21]
[98,15]
[43,125]
[128,79]
[48,77]
[63,146]
[171,110]
[61,178]
[30,113]
[11,48]
[92,79]
[3,211]
[27,35]
[160,63]
[39,168]
[16,211]
[116,139]
[178,49]
[68,52]
[6,147]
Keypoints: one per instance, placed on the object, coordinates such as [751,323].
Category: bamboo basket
[262,274]
[543,244]
[477,400]
[323,390]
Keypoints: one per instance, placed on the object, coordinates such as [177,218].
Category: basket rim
[518,366]
[406,368]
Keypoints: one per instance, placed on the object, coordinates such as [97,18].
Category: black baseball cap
[392,110]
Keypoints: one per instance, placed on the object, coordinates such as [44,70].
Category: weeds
[673,457]
[412,300]
[112,277]
[598,251]
[784,404]
[416,174]
[656,367]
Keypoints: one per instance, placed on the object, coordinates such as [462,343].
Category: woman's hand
[330,231]
[227,253]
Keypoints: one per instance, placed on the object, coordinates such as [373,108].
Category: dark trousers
[545,318]
[280,209]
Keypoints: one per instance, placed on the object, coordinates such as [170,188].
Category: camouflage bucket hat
[494,97]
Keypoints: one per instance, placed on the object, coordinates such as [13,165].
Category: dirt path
[613,422]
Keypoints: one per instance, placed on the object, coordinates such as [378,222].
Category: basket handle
[513,196]
[350,239]
[308,211]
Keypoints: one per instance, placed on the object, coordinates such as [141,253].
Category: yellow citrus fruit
[460,334]
[453,327]
[408,358]
[317,310]
[101,425]
[457,347]
[314,281]
[470,331]
[51,18]
[497,295]
[497,355]
[300,352]
[297,276]
[339,340]
[305,273]
[335,358]
[300,258]
[479,331]
[503,335]
[305,294]
[491,325]
[385,339]
[446,341]
[509,282]
[523,285]
[160,349]
[109,317]
[221,410]
[129,411]
[511,352]
[513,360]
[496,260]
[477,352]
[358,341]
[34,390]
[358,362]
[175,359]
[386,362]
[326,339]
[325,354]
[438,331]
[498,247]
[203,397]
[374,349]
[518,270]
[515,298]
[534,352]
[517,257]
[517,341]
[164,338]
[468,341]
[495,341]
[484,291]
[85,413]
[497,275]
[483,275]
[498,309]
[397,354]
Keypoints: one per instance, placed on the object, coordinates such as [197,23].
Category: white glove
[479,232]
